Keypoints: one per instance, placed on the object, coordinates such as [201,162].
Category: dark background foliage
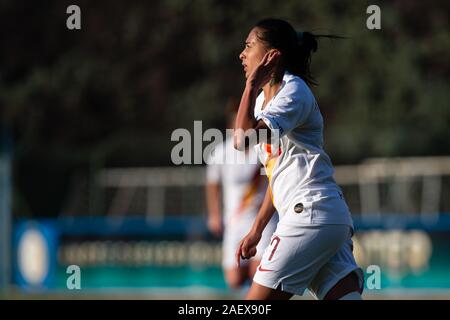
[111,93]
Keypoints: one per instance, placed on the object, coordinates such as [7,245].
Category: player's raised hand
[265,69]
[247,247]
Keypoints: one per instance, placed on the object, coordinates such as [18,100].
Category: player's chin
[246,72]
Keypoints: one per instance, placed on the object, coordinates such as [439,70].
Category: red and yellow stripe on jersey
[270,162]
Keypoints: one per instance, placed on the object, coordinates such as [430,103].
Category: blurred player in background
[311,247]
[235,190]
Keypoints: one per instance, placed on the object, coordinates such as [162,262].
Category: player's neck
[271,88]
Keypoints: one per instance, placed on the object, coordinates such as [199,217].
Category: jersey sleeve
[290,109]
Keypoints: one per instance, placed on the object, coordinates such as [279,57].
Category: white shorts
[313,257]
[235,233]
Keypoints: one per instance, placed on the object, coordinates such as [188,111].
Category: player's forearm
[265,213]
[245,118]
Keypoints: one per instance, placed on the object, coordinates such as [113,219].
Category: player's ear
[275,53]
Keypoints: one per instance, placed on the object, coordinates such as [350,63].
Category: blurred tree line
[111,93]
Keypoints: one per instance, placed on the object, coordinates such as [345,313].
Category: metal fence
[374,187]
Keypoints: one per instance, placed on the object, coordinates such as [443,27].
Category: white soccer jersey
[300,172]
[242,187]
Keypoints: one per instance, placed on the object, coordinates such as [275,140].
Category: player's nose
[241,56]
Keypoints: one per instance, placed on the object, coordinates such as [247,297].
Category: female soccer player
[311,247]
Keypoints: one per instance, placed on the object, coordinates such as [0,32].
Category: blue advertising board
[181,253]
